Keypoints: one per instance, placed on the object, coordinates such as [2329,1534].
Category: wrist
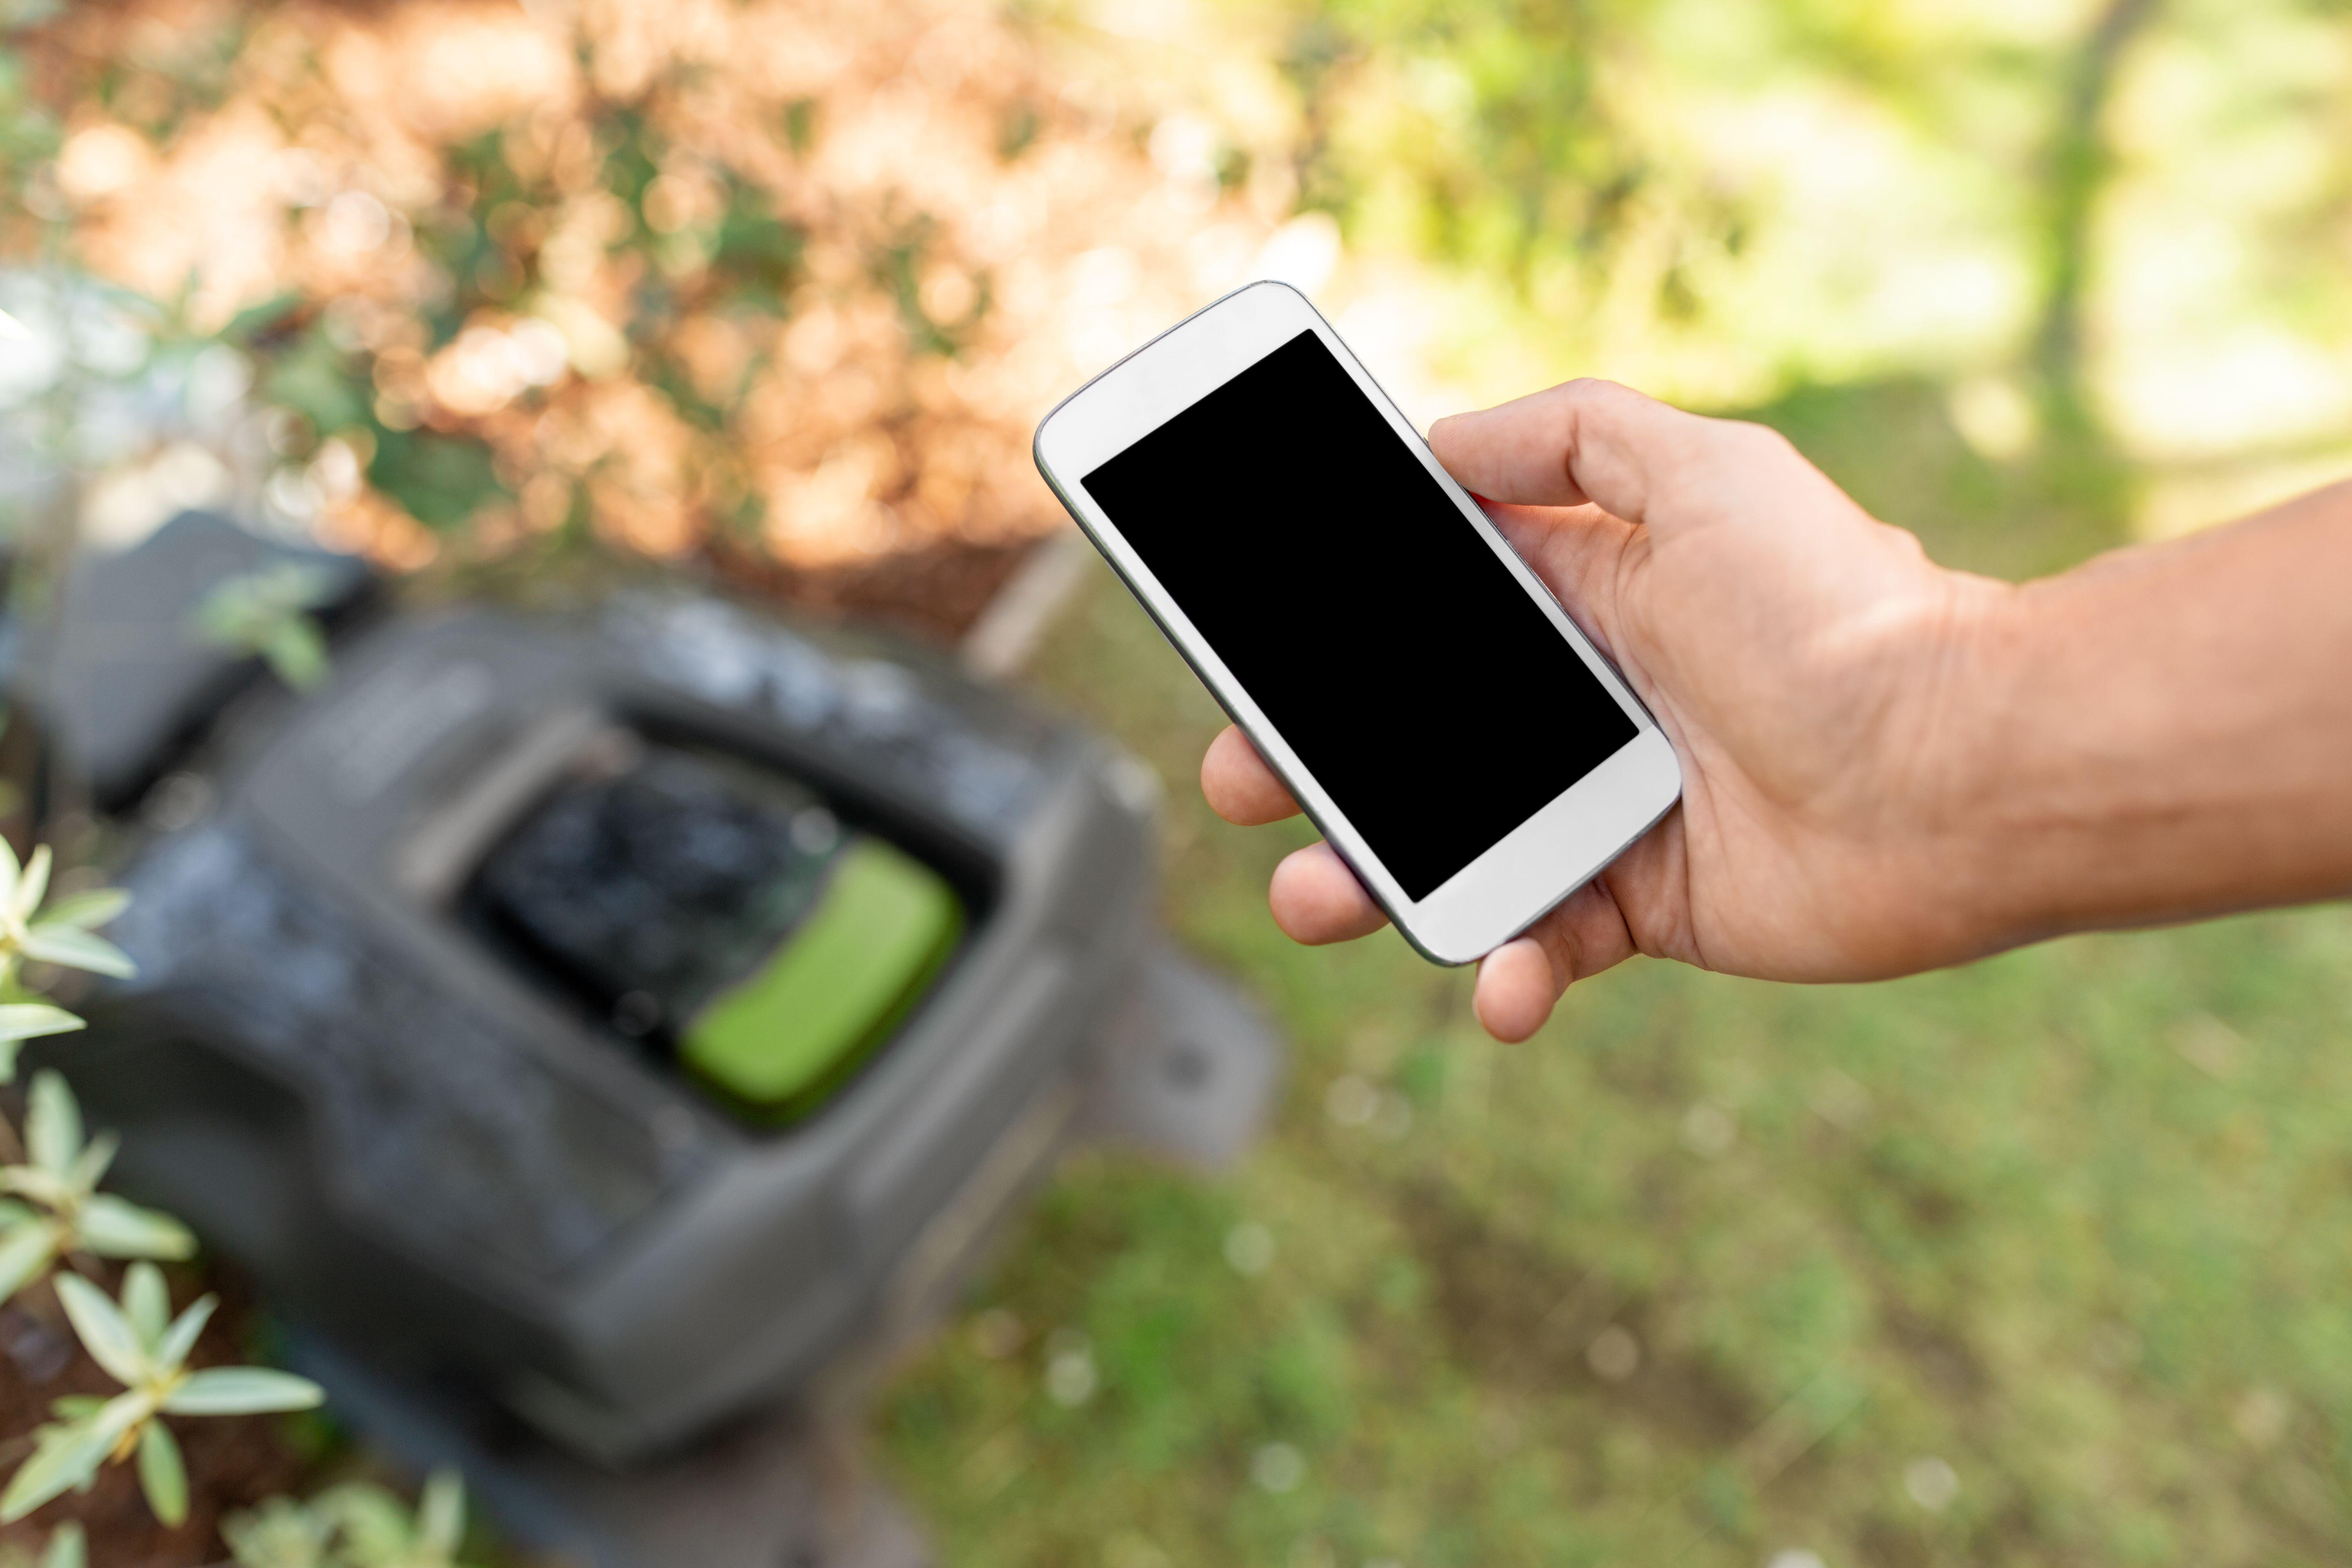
[1978,658]
[2159,734]
[2007,827]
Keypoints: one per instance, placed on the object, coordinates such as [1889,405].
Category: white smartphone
[1432,707]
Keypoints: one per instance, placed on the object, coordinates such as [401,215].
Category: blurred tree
[1482,133]
[1587,160]
[1500,119]
[2080,166]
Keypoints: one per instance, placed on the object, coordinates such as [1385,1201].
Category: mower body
[615,1011]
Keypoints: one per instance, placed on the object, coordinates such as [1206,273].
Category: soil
[233,1462]
[935,593]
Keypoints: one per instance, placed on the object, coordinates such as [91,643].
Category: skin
[1889,765]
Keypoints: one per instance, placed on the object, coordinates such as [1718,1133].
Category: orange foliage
[974,234]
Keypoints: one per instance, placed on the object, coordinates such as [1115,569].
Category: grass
[2038,1261]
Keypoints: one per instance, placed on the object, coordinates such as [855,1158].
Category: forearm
[2166,731]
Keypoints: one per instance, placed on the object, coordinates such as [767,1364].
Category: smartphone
[1435,712]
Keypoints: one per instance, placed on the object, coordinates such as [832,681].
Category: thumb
[1596,441]
[1577,552]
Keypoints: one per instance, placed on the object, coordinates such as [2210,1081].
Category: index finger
[1580,441]
[1239,786]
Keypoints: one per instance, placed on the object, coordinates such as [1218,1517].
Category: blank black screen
[1399,658]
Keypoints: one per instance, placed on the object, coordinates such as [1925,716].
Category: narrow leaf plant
[54,1207]
[63,933]
[144,1348]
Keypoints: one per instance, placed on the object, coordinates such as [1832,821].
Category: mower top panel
[649,888]
[725,914]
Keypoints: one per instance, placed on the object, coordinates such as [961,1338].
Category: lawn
[2038,1261]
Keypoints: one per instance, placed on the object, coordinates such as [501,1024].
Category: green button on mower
[778,1042]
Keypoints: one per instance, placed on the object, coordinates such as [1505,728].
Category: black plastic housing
[424,1148]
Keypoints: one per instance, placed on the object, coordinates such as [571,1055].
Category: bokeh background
[2040,1261]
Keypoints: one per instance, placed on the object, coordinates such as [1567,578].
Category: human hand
[1807,662]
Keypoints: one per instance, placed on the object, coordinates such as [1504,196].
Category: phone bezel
[1531,868]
